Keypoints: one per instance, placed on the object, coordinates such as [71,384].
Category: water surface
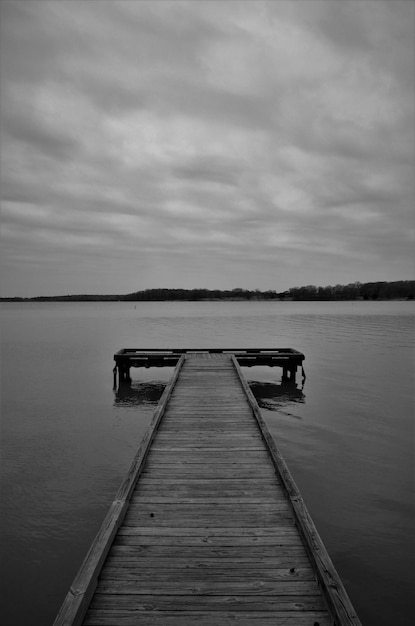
[68,438]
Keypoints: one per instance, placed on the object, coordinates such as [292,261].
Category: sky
[214,144]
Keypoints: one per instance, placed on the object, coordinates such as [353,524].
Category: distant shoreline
[383,290]
[104,299]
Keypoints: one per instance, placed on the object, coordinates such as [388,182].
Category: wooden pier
[286,358]
[208,528]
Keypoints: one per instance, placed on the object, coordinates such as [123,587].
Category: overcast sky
[205,144]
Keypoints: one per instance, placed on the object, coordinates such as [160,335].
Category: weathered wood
[189,574]
[217,554]
[258,455]
[205,483]
[255,499]
[204,618]
[209,531]
[206,588]
[185,491]
[287,533]
[193,472]
[331,584]
[216,426]
[207,359]
[206,531]
[284,565]
[199,508]
[200,450]
[234,602]
[288,536]
[182,437]
[289,556]
[76,602]
[223,518]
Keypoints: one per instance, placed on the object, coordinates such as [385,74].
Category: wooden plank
[287,536]
[197,435]
[185,491]
[234,602]
[197,411]
[199,508]
[175,442]
[177,518]
[284,562]
[250,519]
[202,448]
[188,432]
[182,472]
[155,573]
[172,498]
[197,471]
[204,618]
[206,484]
[230,556]
[231,414]
[189,429]
[220,486]
[215,464]
[207,588]
[202,469]
[207,426]
[188,456]
[209,532]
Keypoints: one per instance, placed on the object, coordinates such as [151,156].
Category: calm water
[68,438]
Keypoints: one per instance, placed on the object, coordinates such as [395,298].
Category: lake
[68,438]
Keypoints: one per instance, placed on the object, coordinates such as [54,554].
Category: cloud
[275,138]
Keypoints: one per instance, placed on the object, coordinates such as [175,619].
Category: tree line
[401,289]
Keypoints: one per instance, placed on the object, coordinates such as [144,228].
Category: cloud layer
[205,144]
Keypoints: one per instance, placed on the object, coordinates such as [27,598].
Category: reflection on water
[274,397]
[270,396]
[138,393]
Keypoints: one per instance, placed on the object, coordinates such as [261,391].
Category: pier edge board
[77,600]
[329,580]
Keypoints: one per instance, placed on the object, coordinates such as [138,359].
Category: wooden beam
[330,582]
[82,589]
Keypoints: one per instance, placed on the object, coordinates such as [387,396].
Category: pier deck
[208,527]
[286,358]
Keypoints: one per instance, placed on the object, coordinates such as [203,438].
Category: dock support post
[124,374]
[293,371]
[289,374]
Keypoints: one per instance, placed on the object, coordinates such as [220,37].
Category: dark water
[68,438]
